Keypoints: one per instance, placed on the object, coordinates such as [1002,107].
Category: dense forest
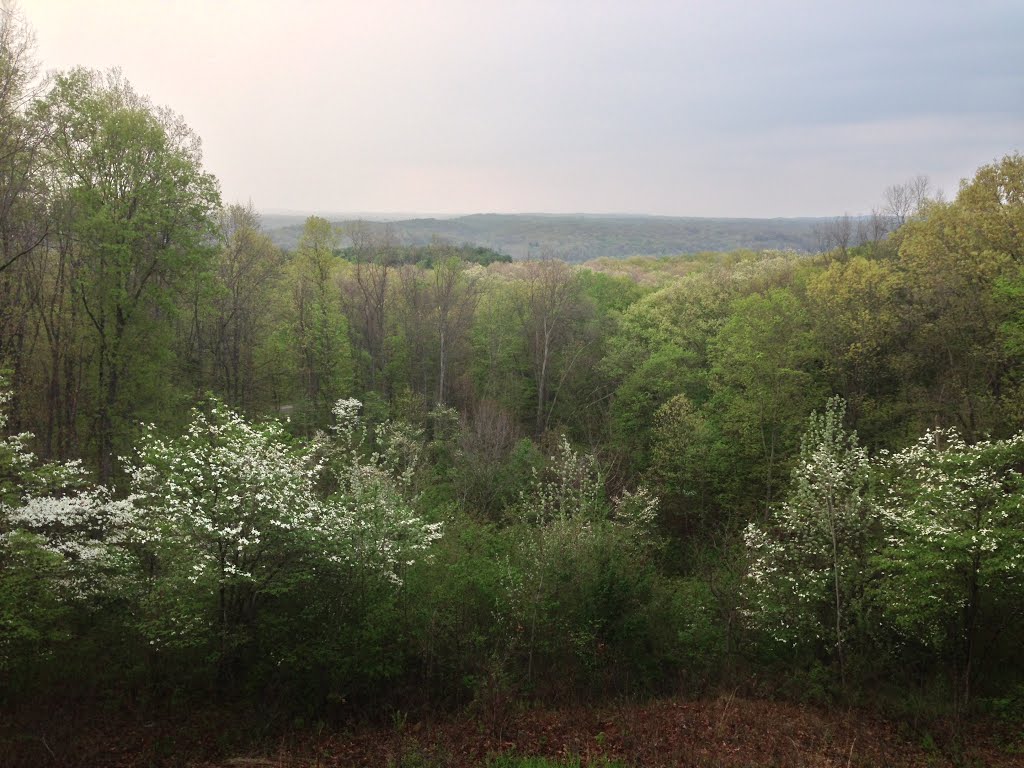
[359,477]
[578,238]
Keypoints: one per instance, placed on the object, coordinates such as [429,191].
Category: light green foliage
[858,321]
[682,455]
[994,203]
[764,362]
[500,356]
[319,326]
[660,348]
[142,211]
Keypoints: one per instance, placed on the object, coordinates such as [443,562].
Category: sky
[687,108]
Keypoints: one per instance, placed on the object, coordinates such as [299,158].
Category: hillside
[582,237]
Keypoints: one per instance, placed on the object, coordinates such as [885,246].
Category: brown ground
[723,732]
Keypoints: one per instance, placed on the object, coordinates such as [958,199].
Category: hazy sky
[710,108]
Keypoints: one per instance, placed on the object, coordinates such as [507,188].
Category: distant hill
[583,237]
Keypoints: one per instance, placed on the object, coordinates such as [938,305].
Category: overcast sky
[710,108]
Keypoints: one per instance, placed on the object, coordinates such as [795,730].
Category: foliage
[953,567]
[522,407]
[810,561]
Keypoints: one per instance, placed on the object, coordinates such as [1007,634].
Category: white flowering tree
[572,486]
[807,565]
[228,505]
[952,570]
[57,545]
[368,472]
[241,514]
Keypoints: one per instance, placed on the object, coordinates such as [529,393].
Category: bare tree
[246,266]
[546,308]
[836,235]
[368,295]
[454,299]
[24,223]
[59,362]
[904,200]
[413,315]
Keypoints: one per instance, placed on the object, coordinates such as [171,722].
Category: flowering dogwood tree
[219,520]
[54,547]
[810,560]
[953,565]
[227,503]
[242,512]
[369,471]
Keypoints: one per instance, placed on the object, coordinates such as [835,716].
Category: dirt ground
[726,731]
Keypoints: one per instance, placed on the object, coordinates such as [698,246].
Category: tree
[953,256]
[858,309]
[582,562]
[231,321]
[548,308]
[681,464]
[454,295]
[320,326]
[659,350]
[435,307]
[836,235]
[811,558]
[953,565]
[24,198]
[23,219]
[764,365]
[994,202]
[142,217]
[240,516]
[902,201]
[37,535]
[367,296]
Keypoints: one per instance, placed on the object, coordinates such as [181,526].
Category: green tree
[859,315]
[764,374]
[142,217]
[320,327]
[24,197]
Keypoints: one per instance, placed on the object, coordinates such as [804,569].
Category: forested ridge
[360,479]
[577,238]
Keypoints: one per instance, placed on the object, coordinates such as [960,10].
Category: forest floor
[726,731]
